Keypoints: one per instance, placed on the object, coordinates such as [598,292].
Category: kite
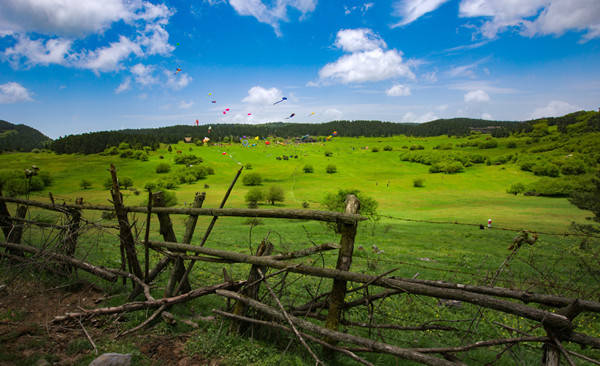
[328,138]
[227,109]
[209,129]
[214,101]
[205,140]
[224,112]
[334,133]
[279,101]
[209,93]
[291,115]
[177,44]
[249,114]
[267,143]
[256,138]
[196,122]
[178,70]
[223,153]
[245,142]
[311,114]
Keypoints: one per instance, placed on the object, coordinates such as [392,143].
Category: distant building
[487,129]
[187,140]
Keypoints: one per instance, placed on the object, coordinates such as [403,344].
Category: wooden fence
[554,313]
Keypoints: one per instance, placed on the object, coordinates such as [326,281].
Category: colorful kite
[279,101]
[178,70]
[291,115]
[214,101]
[196,122]
[334,133]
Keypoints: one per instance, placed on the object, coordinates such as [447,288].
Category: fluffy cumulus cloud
[179,81]
[58,23]
[398,90]
[143,74]
[13,92]
[273,14]
[535,17]
[426,117]
[477,96]
[368,59]
[261,96]
[554,109]
[354,40]
[411,10]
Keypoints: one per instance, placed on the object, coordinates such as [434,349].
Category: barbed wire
[494,228]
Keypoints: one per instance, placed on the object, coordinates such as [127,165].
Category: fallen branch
[95,270]
[88,337]
[138,305]
[339,336]
[284,328]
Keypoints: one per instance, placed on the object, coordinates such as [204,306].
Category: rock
[112,359]
[42,362]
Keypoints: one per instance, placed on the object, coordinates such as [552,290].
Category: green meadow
[444,250]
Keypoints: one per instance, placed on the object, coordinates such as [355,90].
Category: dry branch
[138,305]
[96,270]
[550,319]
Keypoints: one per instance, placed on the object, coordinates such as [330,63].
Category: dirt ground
[26,332]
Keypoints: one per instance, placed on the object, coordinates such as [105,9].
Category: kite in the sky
[227,109]
[291,115]
[196,122]
[209,129]
[214,101]
[224,112]
[249,114]
[334,133]
[178,70]
[311,114]
[279,101]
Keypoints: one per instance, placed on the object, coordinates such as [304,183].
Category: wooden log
[5,221]
[551,319]
[167,232]
[338,290]
[326,216]
[339,336]
[72,233]
[96,270]
[304,252]
[16,231]
[148,304]
[264,249]
[125,236]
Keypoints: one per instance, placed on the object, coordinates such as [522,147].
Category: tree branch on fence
[284,328]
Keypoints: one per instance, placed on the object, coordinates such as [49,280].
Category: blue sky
[72,66]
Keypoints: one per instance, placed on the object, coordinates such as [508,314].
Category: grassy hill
[20,137]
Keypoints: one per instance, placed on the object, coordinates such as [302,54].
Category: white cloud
[333,114]
[375,65]
[185,105]
[361,39]
[554,109]
[13,92]
[486,116]
[125,85]
[274,14]
[38,52]
[109,58]
[261,96]
[477,96]
[411,10]
[57,23]
[412,117]
[535,17]
[363,8]
[486,86]
[179,81]
[398,90]
[143,74]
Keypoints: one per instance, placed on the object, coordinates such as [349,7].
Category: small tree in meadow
[254,196]
[308,169]
[331,169]
[418,183]
[275,194]
[85,184]
[163,168]
[252,179]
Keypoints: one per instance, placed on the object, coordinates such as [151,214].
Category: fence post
[4,218]
[265,248]
[338,291]
[125,236]
[15,231]
[72,233]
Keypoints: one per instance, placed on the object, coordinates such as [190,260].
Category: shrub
[448,167]
[252,179]
[331,169]
[124,146]
[169,197]
[418,182]
[275,194]
[527,166]
[387,148]
[308,169]
[512,145]
[546,169]
[85,184]
[36,184]
[45,176]
[169,149]
[489,144]
[375,149]
[167,183]
[253,221]
[516,188]
[108,215]
[253,196]
[305,204]
[210,170]
[188,159]
[248,166]
[15,186]
[337,202]
[573,167]
[328,153]
[417,147]
[550,188]
[150,186]
[125,182]
[477,158]
[163,168]
[128,153]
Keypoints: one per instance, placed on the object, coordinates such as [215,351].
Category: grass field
[446,251]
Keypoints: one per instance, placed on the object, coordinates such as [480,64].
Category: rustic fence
[554,314]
